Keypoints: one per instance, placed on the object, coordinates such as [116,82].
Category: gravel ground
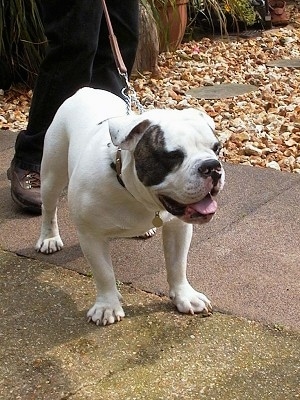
[260,128]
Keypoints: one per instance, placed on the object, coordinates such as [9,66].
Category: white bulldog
[126,174]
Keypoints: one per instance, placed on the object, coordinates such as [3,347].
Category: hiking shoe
[25,188]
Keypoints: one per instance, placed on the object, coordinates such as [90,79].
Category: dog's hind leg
[54,177]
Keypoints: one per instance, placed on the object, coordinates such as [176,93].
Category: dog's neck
[117,166]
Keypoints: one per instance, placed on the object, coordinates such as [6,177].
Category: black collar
[117,166]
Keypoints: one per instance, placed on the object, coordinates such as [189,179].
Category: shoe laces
[33,180]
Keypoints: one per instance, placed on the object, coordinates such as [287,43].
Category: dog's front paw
[103,313]
[50,245]
[189,301]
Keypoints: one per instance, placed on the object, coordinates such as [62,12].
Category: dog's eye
[216,148]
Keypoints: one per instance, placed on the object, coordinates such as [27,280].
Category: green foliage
[224,11]
[22,40]
[242,10]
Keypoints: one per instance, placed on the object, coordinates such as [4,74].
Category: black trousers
[78,55]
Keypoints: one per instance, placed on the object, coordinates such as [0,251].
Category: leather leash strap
[114,43]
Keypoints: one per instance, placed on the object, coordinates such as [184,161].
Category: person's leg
[72,28]
[124,17]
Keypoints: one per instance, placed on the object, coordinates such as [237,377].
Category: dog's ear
[208,119]
[126,131]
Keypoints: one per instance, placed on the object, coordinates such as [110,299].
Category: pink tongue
[205,206]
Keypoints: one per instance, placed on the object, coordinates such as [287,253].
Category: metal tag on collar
[157,221]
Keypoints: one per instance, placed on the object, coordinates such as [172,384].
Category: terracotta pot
[172,24]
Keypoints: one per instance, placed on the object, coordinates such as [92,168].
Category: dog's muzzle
[203,210]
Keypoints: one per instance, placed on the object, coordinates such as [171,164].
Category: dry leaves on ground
[261,128]
[14,108]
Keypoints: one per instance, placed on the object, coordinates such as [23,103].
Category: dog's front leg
[107,308]
[177,237]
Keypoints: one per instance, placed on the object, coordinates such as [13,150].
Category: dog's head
[176,158]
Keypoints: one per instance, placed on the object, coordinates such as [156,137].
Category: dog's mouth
[202,210]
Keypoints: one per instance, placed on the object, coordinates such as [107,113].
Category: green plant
[210,12]
[218,13]
[22,40]
[242,10]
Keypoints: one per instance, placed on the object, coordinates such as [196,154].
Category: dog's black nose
[211,167]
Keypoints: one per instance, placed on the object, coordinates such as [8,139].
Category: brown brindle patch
[153,162]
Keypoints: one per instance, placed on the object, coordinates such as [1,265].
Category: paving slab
[285,63]
[245,260]
[221,91]
[49,351]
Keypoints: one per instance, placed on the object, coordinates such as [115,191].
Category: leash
[128,91]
